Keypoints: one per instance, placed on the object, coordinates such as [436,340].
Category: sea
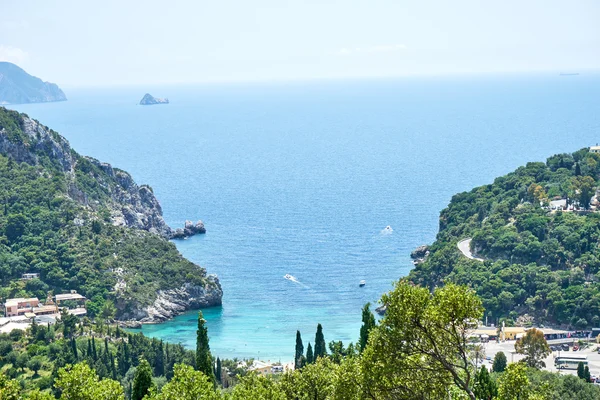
[302,178]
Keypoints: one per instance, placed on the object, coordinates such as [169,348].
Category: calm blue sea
[301,178]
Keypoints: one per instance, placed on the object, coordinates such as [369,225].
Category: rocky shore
[171,302]
[420,254]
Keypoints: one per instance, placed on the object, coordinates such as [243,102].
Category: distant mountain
[149,100]
[18,87]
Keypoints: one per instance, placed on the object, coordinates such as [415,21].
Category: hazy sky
[153,42]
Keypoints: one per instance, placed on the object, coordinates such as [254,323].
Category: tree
[583,187]
[35,364]
[159,359]
[309,354]
[204,362]
[108,311]
[68,322]
[187,384]
[255,386]
[320,345]
[80,382]
[422,332]
[485,388]
[580,371]
[219,370]
[499,364]
[142,381]
[513,384]
[368,323]
[15,226]
[586,374]
[299,351]
[535,348]
[9,388]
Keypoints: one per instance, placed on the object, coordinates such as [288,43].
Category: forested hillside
[541,258]
[84,226]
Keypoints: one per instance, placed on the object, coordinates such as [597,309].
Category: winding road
[465,247]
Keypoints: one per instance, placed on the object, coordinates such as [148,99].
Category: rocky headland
[18,87]
[420,254]
[149,100]
[102,193]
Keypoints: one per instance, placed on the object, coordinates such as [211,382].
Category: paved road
[465,247]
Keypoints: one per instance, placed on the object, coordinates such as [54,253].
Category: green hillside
[538,261]
[58,217]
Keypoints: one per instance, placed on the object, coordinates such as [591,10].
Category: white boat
[387,230]
[362,283]
[290,278]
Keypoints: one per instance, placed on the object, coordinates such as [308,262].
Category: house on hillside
[20,306]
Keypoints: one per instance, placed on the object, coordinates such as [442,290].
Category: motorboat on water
[290,278]
[362,283]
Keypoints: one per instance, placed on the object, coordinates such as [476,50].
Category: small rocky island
[18,87]
[149,100]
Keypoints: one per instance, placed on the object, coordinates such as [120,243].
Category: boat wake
[387,230]
[291,278]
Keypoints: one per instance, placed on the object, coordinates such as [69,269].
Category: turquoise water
[302,178]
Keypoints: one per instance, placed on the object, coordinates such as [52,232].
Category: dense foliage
[419,350]
[73,246]
[539,261]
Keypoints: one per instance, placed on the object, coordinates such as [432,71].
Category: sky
[136,42]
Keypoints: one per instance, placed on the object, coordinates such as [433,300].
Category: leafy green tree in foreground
[500,362]
[514,384]
[258,387]
[368,323]
[80,382]
[187,384]
[142,381]
[203,357]
[535,348]
[422,343]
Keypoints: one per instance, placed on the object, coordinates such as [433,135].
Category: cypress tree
[159,360]
[580,371]
[219,369]
[586,374]
[299,351]
[368,321]
[577,169]
[74,348]
[484,387]
[117,332]
[320,346]
[94,354]
[89,353]
[113,367]
[203,357]
[142,381]
[309,354]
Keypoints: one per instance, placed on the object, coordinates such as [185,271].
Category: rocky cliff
[18,87]
[152,281]
[172,302]
[129,205]
[149,100]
